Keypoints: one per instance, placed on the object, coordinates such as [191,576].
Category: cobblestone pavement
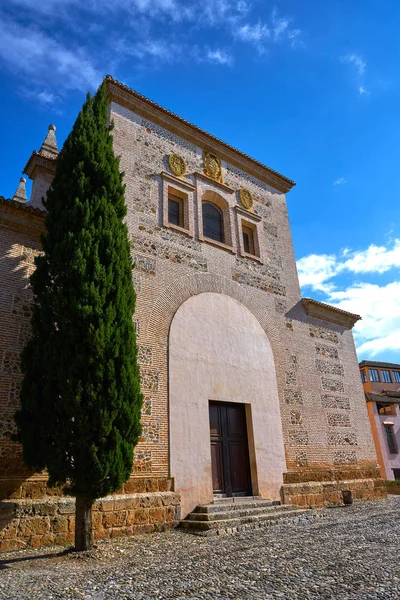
[343,554]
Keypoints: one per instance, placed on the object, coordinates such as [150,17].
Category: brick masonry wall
[324,418]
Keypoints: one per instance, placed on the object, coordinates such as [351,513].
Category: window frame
[217,210]
[382,371]
[207,194]
[178,189]
[180,202]
[363,374]
[396,376]
[250,220]
[371,377]
[391,438]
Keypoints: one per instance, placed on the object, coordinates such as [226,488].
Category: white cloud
[154,49]
[56,45]
[340,181]
[378,304]
[315,270]
[47,97]
[220,57]
[356,60]
[362,90]
[34,54]
[253,33]
[276,30]
[375,259]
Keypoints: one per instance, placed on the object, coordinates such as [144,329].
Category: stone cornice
[177,180]
[325,312]
[247,213]
[14,213]
[39,162]
[124,96]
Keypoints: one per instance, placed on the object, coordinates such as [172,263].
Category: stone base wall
[392,486]
[15,488]
[317,494]
[51,521]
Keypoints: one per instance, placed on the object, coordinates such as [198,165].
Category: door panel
[217,467]
[238,466]
[229,449]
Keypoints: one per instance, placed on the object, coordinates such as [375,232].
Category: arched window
[213,223]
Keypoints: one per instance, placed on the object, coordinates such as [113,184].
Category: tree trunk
[83,523]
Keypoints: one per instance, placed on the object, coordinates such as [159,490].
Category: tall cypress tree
[81,400]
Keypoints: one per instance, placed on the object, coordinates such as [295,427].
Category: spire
[20,192]
[49,147]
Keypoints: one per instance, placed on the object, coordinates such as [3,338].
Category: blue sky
[310,88]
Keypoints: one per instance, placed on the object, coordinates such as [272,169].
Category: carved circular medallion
[177,164]
[246,198]
[212,166]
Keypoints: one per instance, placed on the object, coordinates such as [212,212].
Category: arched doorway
[220,360]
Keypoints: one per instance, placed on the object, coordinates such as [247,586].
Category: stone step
[238,512]
[233,506]
[220,527]
[234,499]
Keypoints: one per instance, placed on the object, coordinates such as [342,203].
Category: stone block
[141,516]
[64,539]
[8,529]
[151,501]
[97,519]
[127,503]
[157,515]
[66,506]
[59,524]
[45,509]
[170,513]
[38,541]
[120,532]
[33,526]
[104,505]
[10,545]
[164,485]
[33,489]
[100,533]
[114,519]
[152,485]
[135,486]
[7,510]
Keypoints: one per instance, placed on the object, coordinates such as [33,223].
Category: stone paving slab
[346,553]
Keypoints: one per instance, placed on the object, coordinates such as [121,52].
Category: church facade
[249,389]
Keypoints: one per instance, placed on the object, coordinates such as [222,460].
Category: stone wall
[51,521]
[323,414]
[324,419]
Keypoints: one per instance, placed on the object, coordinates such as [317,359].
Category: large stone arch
[174,295]
[218,351]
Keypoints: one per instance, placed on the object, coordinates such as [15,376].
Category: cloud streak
[33,53]
[379,305]
[121,36]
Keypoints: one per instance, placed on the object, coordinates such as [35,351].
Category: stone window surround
[210,195]
[182,189]
[252,220]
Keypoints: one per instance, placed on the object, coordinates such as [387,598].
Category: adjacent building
[381,382]
[249,389]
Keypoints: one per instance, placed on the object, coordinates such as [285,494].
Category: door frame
[250,454]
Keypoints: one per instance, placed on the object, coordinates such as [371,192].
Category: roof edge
[329,313]
[125,96]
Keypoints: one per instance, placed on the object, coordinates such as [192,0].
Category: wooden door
[229,449]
